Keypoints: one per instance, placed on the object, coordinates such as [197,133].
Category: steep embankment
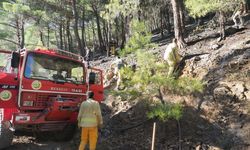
[216,119]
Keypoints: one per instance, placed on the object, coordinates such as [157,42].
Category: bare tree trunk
[222,25]
[117,29]
[83,29]
[98,24]
[127,28]
[41,36]
[94,35]
[61,35]
[57,41]
[105,33]
[48,38]
[76,17]
[161,20]
[18,33]
[168,24]
[65,41]
[246,6]
[177,24]
[123,32]
[69,37]
[182,16]
[22,35]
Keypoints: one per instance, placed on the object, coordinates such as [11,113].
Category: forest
[204,105]
[76,25]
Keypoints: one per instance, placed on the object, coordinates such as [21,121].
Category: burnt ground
[219,118]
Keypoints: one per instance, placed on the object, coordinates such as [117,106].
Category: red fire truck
[41,90]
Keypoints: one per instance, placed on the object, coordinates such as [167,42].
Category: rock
[238,90]
[222,92]
[214,46]
[197,58]
[214,148]
[247,94]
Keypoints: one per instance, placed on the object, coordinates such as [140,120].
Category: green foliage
[139,40]
[164,112]
[182,85]
[198,8]
[129,94]
[115,8]
[15,8]
[151,75]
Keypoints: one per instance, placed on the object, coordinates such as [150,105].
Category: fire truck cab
[41,90]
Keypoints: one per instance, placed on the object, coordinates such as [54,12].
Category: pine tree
[202,7]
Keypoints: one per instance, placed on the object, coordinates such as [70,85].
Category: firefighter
[238,14]
[172,56]
[89,119]
[117,65]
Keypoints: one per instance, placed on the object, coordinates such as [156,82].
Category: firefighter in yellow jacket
[89,119]
[172,56]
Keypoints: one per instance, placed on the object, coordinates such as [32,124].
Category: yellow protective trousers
[91,134]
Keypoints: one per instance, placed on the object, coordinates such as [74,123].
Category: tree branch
[6,24]
[8,40]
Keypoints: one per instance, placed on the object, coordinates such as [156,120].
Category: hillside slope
[217,119]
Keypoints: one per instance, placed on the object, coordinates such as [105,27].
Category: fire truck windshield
[46,67]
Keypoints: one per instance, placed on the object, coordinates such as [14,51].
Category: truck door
[96,83]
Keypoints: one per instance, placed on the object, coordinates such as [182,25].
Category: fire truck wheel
[65,135]
[6,137]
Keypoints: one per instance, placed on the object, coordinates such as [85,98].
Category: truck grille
[41,100]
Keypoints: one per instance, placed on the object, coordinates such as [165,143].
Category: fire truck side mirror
[15,60]
[92,77]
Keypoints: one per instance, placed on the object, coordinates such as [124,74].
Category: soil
[217,119]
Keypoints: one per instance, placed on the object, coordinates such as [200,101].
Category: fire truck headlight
[28,103]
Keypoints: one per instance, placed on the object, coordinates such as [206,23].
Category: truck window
[5,63]
[46,67]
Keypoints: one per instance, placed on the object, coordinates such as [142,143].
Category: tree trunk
[94,35]
[222,25]
[65,41]
[161,20]
[22,35]
[123,32]
[61,35]
[76,17]
[177,24]
[167,19]
[105,33]
[182,16]
[99,32]
[69,38]
[127,28]
[117,29]
[246,6]
[41,36]
[57,41]
[83,29]
[48,36]
[18,33]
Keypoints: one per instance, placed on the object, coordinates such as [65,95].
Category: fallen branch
[134,126]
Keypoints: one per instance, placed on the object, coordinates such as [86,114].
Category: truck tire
[67,133]
[6,137]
